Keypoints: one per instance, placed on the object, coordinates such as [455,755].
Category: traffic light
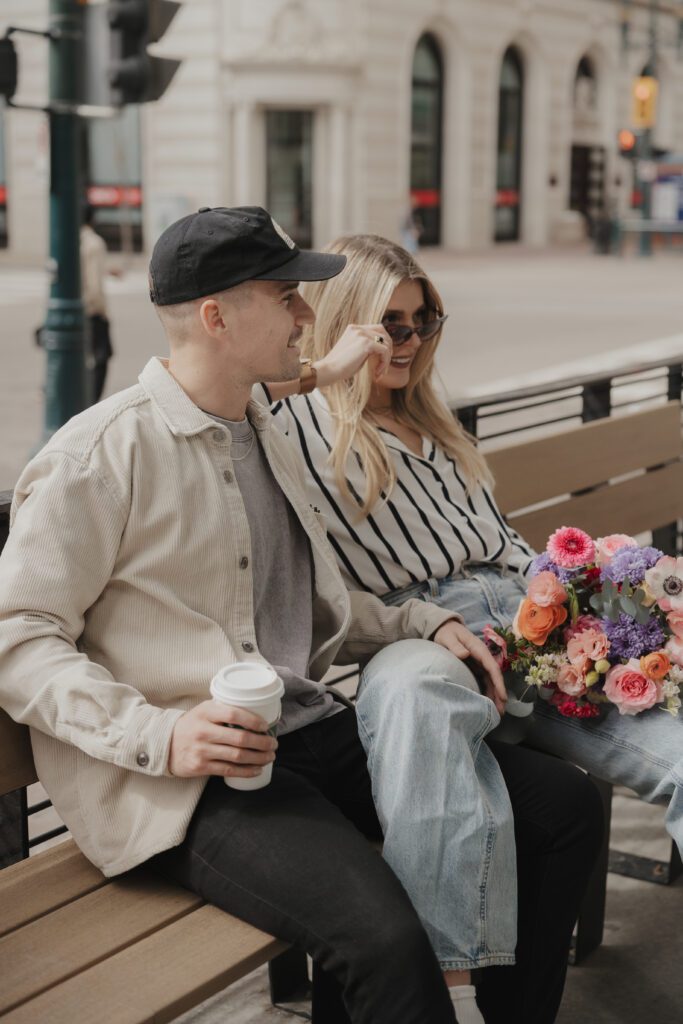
[627,143]
[134,75]
[644,110]
[8,68]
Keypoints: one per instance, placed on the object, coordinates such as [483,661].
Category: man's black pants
[292,860]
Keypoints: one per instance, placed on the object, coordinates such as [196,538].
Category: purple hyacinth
[544,563]
[631,564]
[630,639]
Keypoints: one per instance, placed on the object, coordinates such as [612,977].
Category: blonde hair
[360,295]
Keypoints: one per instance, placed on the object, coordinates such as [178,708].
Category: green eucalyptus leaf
[642,615]
[596,602]
[612,610]
[628,605]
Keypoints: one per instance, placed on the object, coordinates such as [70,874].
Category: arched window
[585,87]
[509,164]
[426,129]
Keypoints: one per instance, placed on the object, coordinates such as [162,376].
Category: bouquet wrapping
[601,627]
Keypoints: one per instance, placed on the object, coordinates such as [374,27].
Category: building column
[338,173]
[248,157]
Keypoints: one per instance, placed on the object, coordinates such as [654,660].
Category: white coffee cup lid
[246,682]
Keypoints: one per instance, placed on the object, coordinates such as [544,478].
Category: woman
[409,512]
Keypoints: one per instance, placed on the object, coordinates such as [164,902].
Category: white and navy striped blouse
[429,527]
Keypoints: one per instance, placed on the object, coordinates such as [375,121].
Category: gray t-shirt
[282,572]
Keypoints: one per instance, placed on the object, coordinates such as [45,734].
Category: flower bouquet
[601,626]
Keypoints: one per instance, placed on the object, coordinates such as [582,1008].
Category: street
[513,312]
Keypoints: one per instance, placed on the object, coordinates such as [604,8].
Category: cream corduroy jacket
[121,594]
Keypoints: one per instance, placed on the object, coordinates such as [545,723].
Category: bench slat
[587,455]
[158,978]
[628,507]
[16,757]
[37,886]
[59,945]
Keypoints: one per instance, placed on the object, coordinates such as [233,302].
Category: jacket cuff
[147,743]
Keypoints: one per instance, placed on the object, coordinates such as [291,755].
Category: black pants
[291,859]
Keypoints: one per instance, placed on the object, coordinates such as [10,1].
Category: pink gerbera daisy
[570,547]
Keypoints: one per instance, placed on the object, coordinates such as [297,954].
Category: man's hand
[457,639]
[356,345]
[203,743]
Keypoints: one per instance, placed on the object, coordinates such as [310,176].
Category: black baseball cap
[220,247]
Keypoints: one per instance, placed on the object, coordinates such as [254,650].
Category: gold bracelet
[308,377]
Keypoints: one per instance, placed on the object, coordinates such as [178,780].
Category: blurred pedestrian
[93,270]
[411,227]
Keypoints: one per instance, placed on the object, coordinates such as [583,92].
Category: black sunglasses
[401,333]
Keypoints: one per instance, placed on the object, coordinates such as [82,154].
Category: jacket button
[218,435]
[244,562]
[247,646]
[142,759]
[227,476]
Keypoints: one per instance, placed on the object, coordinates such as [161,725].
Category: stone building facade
[498,116]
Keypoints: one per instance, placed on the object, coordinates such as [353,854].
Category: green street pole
[645,141]
[64,331]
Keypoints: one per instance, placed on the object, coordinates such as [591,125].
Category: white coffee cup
[255,687]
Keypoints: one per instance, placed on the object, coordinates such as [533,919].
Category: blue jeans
[481,834]
[643,752]
[441,800]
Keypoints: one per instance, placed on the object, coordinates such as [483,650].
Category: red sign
[3,196]
[507,197]
[114,195]
[426,197]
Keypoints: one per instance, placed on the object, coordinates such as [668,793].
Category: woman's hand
[457,639]
[356,345]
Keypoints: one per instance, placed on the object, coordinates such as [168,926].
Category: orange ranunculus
[655,666]
[535,623]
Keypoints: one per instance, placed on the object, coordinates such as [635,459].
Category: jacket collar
[178,410]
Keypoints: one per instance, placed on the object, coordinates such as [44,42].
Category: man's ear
[211,316]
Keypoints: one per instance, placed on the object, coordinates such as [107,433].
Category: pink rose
[570,680]
[675,621]
[674,648]
[589,645]
[630,690]
[495,640]
[607,547]
[583,622]
[545,590]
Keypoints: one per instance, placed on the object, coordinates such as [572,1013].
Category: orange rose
[536,623]
[655,666]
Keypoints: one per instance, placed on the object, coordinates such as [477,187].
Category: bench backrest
[587,459]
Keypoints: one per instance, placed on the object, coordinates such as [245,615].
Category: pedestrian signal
[135,75]
[627,143]
[644,110]
[8,68]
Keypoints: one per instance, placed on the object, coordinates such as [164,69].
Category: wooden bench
[73,943]
[618,474]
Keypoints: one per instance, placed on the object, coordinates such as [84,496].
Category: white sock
[466,1009]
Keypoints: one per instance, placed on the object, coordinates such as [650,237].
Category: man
[165,533]
[93,270]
